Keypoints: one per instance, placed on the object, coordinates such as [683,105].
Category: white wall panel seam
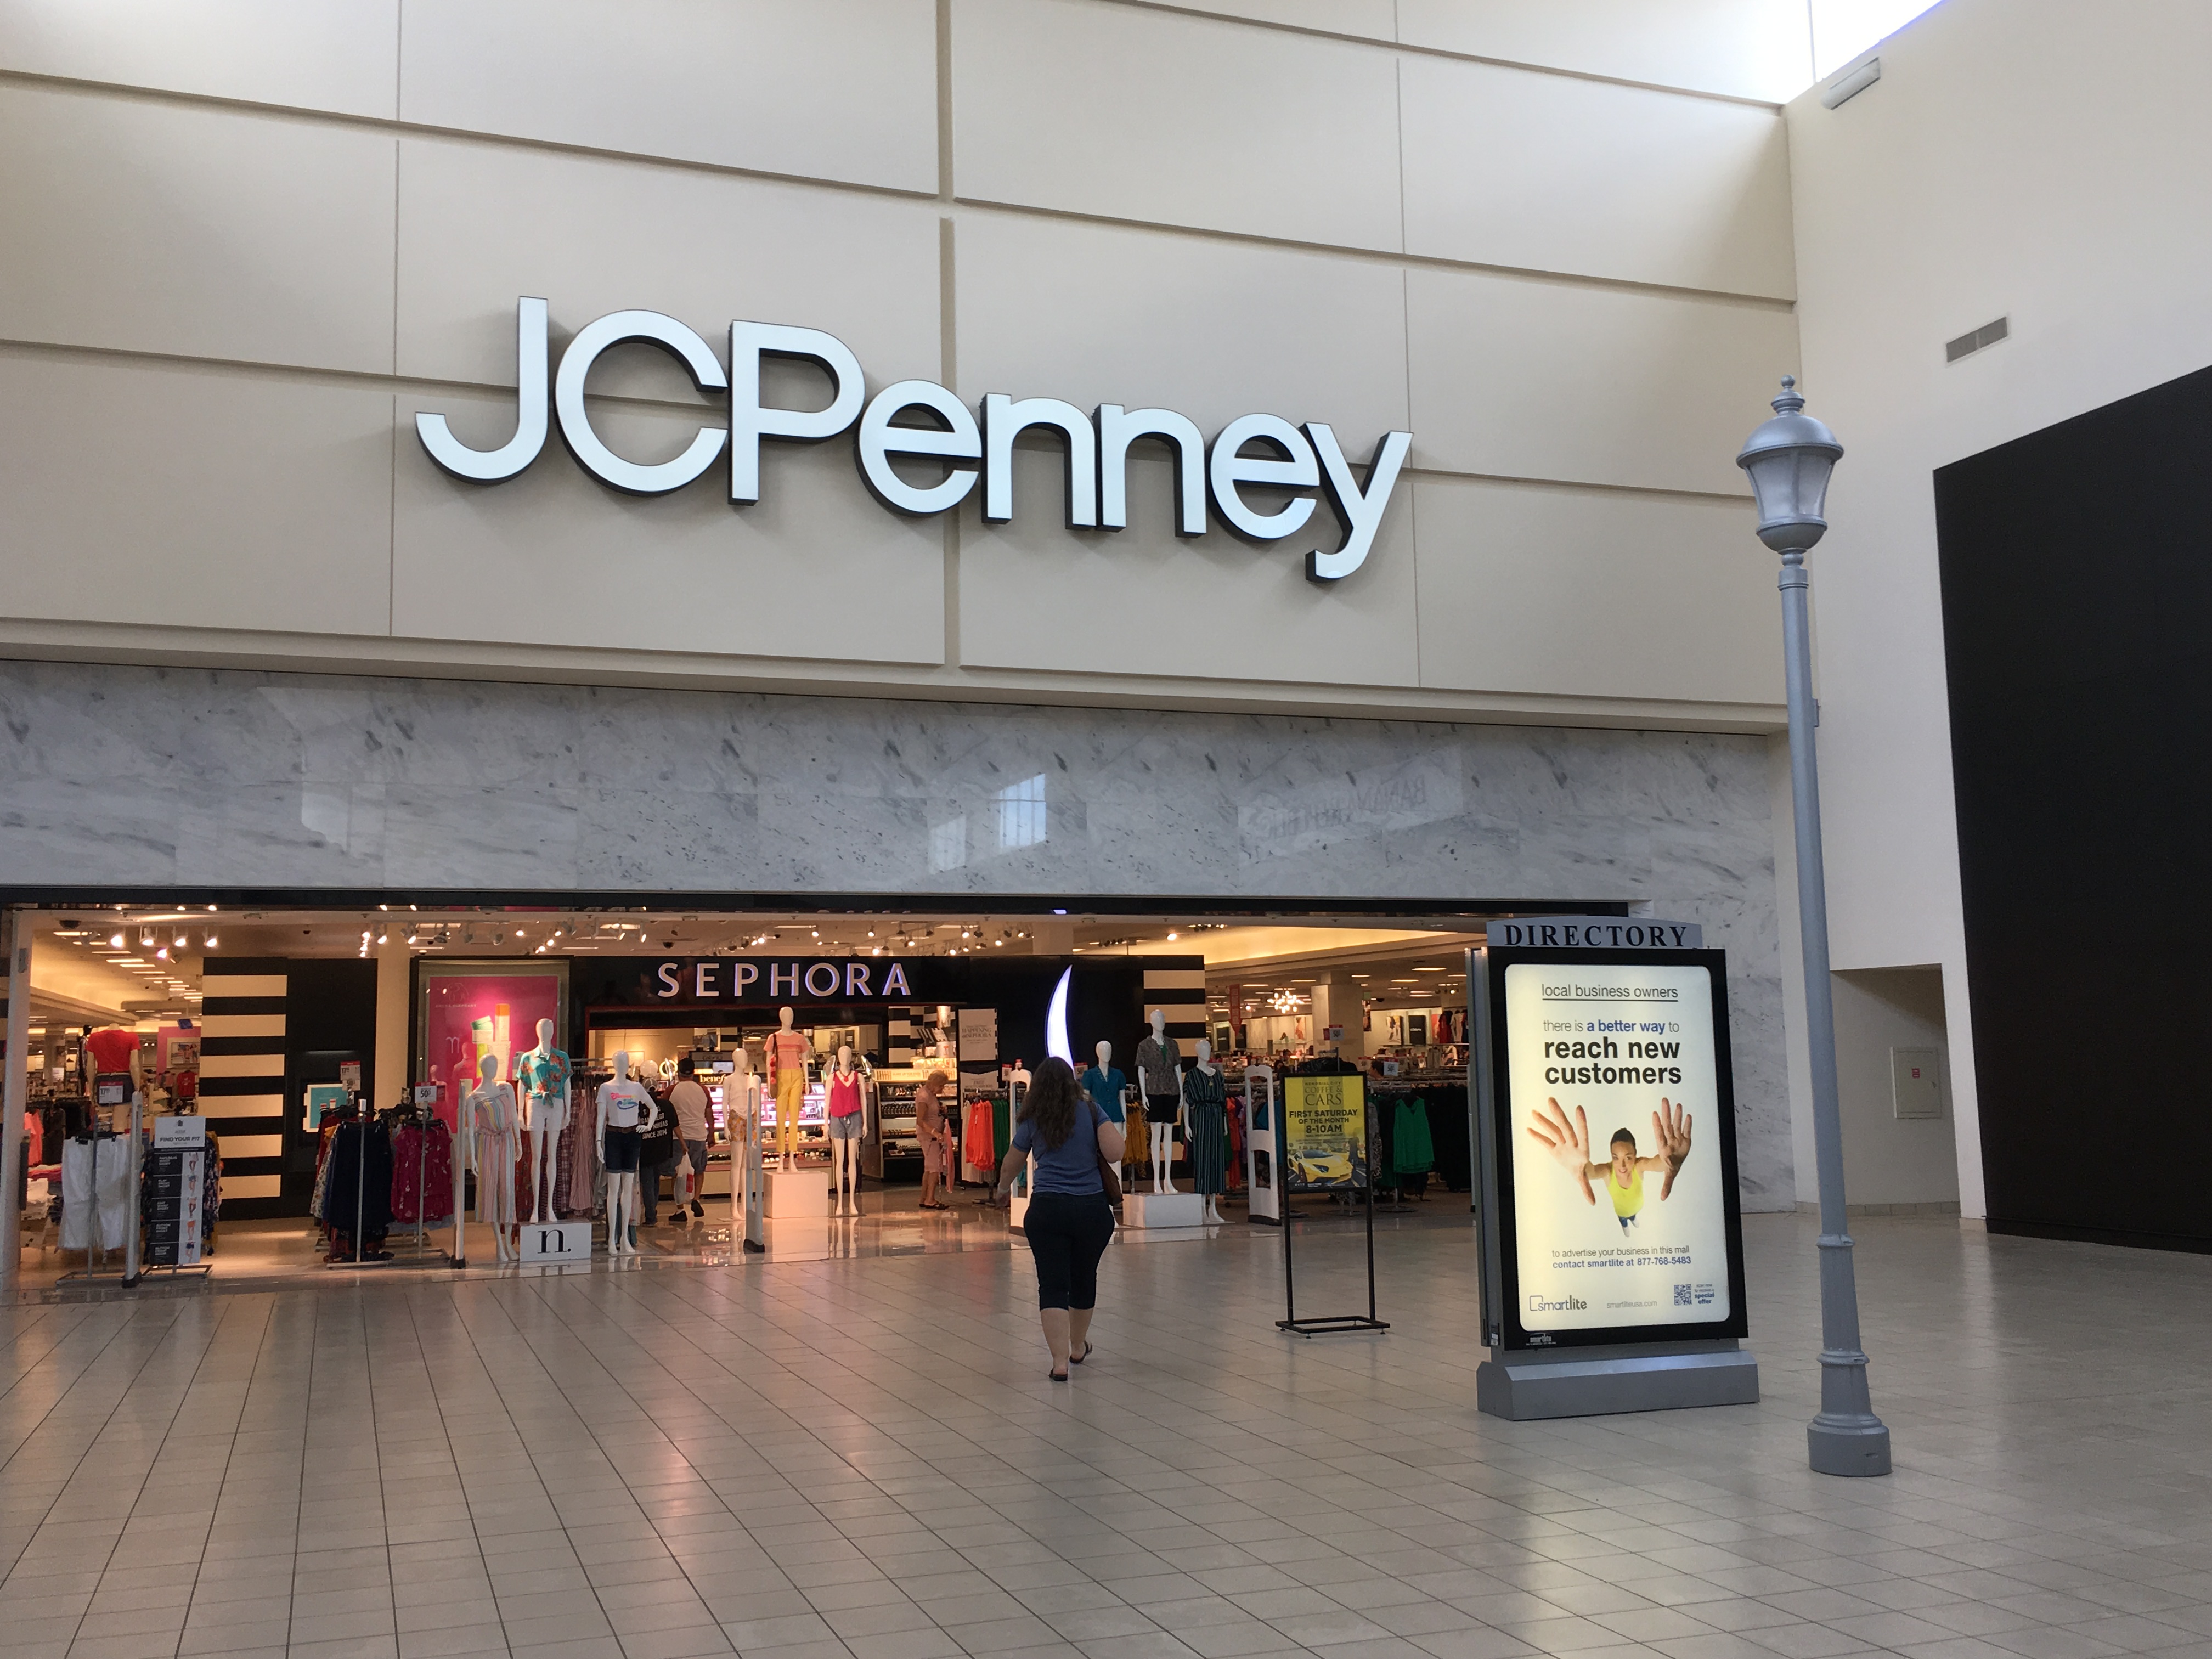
[411,387]
[1417,49]
[406,130]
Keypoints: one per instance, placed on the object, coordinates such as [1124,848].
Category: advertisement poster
[1324,1136]
[1613,1119]
[469,1010]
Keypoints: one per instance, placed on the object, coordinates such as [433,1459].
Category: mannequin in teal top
[1104,1084]
[543,1074]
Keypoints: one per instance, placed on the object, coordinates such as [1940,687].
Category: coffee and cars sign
[1301,467]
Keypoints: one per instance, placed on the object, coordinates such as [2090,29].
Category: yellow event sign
[1325,1133]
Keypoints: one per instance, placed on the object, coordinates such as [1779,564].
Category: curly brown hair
[1050,1103]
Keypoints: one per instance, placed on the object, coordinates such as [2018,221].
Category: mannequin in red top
[113,1052]
[845,1120]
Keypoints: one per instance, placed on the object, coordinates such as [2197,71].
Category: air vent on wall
[1967,344]
[1850,83]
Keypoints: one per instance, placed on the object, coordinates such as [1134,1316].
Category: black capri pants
[1067,1234]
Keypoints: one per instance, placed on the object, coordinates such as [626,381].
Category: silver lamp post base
[1847,1445]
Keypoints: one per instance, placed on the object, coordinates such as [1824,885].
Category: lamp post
[1788,459]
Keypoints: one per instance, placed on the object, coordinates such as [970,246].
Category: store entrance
[357,1042]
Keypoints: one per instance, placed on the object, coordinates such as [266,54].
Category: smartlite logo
[1570,1304]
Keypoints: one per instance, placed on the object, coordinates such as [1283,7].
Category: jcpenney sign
[1253,452]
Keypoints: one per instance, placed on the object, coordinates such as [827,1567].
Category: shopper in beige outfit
[935,1134]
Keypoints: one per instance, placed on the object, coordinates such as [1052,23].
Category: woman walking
[1069,1220]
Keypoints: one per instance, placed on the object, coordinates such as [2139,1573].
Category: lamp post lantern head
[1790,459]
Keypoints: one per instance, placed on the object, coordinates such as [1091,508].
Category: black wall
[2077,609]
[330,1017]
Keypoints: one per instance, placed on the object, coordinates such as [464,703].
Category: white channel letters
[919,418]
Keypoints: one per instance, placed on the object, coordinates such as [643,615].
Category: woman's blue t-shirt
[1070,1167]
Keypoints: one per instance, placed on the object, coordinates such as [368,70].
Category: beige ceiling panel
[194,231]
[177,496]
[480,226]
[1744,48]
[1174,120]
[843,89]
[337,55]
[1595,594]
[1551,173]
[1524,379]
[1142,603]
[815,571]
[1105,314]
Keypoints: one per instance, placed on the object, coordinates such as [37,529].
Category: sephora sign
[1301,467]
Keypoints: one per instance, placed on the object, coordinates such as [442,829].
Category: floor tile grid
[1386,1419]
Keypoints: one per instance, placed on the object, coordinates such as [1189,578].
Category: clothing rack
[94,1133]
[408,1115]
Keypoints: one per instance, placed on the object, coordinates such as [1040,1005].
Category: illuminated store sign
[1252,451]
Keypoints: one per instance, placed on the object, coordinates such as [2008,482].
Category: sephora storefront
[815,474]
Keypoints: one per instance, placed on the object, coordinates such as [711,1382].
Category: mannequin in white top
[741,1113]
[847,1087]
[1149,1088]
[625,1107]
[488,1122]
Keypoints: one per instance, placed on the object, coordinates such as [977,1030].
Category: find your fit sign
[1298,467]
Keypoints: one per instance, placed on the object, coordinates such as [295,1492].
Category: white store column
[392,982]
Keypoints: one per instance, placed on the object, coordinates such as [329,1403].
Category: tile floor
[861,1459]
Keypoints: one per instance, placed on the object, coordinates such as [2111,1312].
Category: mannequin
[1103,1084]
[112,1052]
[847,1121]
[741,1110]
[1159,1079]
[1206,1125]
[544,1075]
[624,1110]
[787,1074]
[488,1126]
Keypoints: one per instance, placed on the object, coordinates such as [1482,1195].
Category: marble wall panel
[146,778]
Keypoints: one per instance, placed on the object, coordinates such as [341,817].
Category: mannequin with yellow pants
[787,1053]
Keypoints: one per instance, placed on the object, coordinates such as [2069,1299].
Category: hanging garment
[109,1201]
[422,1173]
[1412,1148]
[1206,1120]
[564,1162]
[1237,1129]
[976,1137]
[321,1195]
[583,1167]
[359,1190]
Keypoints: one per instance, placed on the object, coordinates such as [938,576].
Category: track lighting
[115,941]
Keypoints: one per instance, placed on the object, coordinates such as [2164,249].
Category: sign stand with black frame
[1575,1362]
[1330,1323]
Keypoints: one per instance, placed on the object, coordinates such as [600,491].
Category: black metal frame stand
[1331,1323]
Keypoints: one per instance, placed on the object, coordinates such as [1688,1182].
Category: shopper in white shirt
[690,1101]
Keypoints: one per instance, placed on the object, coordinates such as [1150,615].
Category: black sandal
[1057,1377]
[1076,1359]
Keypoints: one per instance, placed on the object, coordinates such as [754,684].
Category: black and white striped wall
[1179,993]
[242,1018]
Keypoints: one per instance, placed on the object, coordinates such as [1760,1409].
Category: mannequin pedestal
[802,1194]
[1163,1210]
